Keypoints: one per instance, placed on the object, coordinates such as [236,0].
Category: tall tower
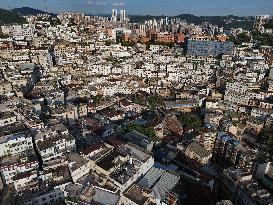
[122,15]
[260,21]
[114,15]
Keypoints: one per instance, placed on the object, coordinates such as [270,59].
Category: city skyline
[151,7]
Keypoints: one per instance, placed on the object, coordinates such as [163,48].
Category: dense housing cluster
[98,110]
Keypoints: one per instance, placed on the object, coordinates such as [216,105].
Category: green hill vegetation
[9,17]
[24,11]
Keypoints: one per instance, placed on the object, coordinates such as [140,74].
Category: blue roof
[164,167]
[28,66]
[228,138]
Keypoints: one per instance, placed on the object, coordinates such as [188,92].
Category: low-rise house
[11,165]
[78,166]
[213,117]
[160,185]
[181,105]
[241,188]
[21,180]
[140,140]
[172,124]
[7,118]
[127,106]
[6,88]
[44,197]
[123,165]
[15,140]
[89,195]
[54,142]
[198,153]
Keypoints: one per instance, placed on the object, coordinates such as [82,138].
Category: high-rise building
[122,15]
[224,152]
[260,21]
[114,15]
[228,152]
[241,188]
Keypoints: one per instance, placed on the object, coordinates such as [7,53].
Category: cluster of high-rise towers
[122,16]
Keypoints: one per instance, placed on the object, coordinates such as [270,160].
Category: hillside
[9,17]
[223,21]
[24,11]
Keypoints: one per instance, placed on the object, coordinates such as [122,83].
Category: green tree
[264,39]
[97,99]
[127,44]
[55,21]
[2,35]
[9,17]
[173,94]
[188,120]
[143,129]
[154,102]
[269,24]
[240,38]
[269,146]
[138,100]
[108,42]
[266,137]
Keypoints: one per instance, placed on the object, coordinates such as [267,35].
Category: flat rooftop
[136,195]
[124,172]
[11,129]
[107,162]
[6,115]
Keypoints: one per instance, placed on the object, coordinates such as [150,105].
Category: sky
[150,7]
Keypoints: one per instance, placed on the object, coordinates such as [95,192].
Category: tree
[138,100]
[266,137]
[269,24]
[2,35]
[143,129]
[97,99]
[127,44]
[188,120]
[9,17]
[108,43]
[173,94]
[240,38]
[154,102]
[269,146]
[264,39]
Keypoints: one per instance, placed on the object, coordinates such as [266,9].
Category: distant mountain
[223,21]
[10,17]
[24,11]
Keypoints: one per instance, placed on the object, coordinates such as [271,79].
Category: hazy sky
[153,7]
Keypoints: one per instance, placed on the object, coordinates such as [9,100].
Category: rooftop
[77,161]
[27,156]
[6,115]
[91,195]
[107,162]
[199,149]
[11,129]
[136,195]
[123,173]
[50,142]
